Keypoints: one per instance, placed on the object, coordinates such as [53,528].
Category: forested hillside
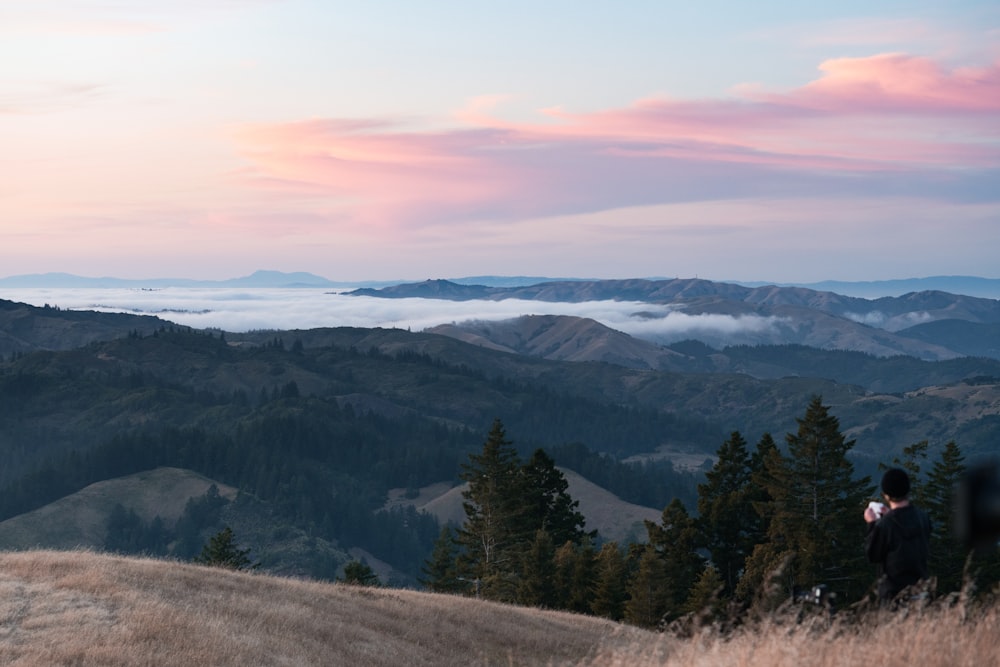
[314,427]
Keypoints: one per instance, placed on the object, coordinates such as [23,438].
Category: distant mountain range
[929,325]
[988,288]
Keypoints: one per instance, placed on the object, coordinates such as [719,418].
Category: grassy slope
[86,608]
[81,519]
[611,516]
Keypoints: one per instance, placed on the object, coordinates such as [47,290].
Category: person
[898,538]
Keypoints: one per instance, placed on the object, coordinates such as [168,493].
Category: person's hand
[874,511]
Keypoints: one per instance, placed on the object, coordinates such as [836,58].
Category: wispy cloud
[46,97]
[880,116]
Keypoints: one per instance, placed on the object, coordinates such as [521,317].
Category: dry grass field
[82,608]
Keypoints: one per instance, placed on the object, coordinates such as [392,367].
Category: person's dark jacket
[900,543]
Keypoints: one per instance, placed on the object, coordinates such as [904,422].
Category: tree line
[769,523]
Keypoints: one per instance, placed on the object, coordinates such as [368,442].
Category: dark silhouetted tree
[813,508]
[359,573]
[725,512]
[221,551]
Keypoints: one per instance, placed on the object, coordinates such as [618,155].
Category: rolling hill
[612,517]
[62,608]
[85,608]
[729,314]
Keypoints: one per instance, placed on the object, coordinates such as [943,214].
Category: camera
[878,508]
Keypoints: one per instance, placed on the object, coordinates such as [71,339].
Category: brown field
[82,608]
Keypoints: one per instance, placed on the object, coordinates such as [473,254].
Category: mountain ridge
[976,286]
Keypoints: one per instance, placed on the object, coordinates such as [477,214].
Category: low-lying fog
[239,310]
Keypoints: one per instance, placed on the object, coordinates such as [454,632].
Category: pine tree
[575,576]
[221,551]
[705,599]
[676,541]
[649,591]
[610,591]
[758,496]
[814,507]
[536,587]
[439,573]
[726,514]
[490,550]
[359,573]
[947,555]
[548,505]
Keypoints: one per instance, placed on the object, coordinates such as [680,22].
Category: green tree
[814,507]
[610,590]
[676,540]
[763,555]
[947,559]
[536,586]
[221,551]
[575,576]
[489,547]
[549,506]
[725,509]
[359,573]
[439,572]
[648,591]
[705,599]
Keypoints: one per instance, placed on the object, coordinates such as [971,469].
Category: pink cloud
[906,123]
[897,83]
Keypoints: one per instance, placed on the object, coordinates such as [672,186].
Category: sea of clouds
[240,310]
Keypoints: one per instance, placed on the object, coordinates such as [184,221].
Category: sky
[391,139]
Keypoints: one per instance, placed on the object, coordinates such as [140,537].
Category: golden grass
[936,636]
[82,608]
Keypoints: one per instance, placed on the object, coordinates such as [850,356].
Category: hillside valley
[318,429]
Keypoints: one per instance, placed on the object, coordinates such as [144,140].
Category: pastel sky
[394,139]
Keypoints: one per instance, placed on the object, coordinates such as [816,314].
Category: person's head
[896,484]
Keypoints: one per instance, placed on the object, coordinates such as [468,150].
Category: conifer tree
[221,551]
[648,591]
[676,541]
[575,576]
[814,507]
[758,496]
[705,599]
[439,572]
[548,505]
[764,555]
[488,540]
[726,514]
[359,573]
[948,557]
[610,591]
[536,587]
